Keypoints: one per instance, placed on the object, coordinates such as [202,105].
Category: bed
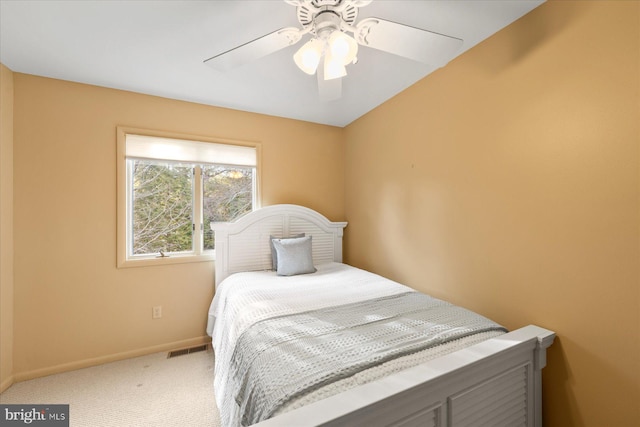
[307,340]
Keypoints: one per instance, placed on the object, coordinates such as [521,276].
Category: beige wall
[507,182]
[6,227]
[72,305]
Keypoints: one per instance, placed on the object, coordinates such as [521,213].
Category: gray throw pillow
[294,256]
[274,254]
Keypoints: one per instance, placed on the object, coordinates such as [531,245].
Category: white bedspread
[263,294]
[245,298]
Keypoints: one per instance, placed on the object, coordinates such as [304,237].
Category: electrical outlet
[157,312]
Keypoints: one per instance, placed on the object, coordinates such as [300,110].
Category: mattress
[244,300]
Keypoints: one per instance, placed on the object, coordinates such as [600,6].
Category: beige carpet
[145,391]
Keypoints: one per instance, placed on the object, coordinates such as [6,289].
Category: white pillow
[294,256]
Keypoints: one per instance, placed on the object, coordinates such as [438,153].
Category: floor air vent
[190,350]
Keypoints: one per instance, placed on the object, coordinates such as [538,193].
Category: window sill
[149,261]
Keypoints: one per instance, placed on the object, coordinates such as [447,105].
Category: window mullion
[197,210]
[129,213]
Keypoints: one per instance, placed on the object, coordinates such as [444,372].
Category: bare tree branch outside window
[162,207]
[162,215]
[228,194]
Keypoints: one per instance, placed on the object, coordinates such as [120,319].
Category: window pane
[228,194]
[162,196]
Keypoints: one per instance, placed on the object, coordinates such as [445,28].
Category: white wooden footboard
[493,383]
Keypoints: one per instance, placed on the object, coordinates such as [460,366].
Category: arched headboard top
[244,245]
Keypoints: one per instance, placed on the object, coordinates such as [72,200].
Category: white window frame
[125,260]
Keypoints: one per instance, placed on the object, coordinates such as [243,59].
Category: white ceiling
[158,48]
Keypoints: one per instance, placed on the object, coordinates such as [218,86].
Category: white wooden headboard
[244,245]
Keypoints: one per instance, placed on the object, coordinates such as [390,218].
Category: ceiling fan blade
[255,49]
[328,90]
[413,43]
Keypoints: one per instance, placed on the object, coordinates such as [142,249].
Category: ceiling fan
[329,23]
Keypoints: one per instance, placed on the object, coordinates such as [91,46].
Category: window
[170,190]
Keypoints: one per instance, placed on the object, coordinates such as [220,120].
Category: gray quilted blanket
[280,358]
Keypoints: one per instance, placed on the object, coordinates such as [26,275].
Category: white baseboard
[72,366]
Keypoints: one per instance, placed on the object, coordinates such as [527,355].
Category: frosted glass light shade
[342,47]
[334,68]
[308,56]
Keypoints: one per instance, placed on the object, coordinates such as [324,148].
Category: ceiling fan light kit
[328,22]
[339,49]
